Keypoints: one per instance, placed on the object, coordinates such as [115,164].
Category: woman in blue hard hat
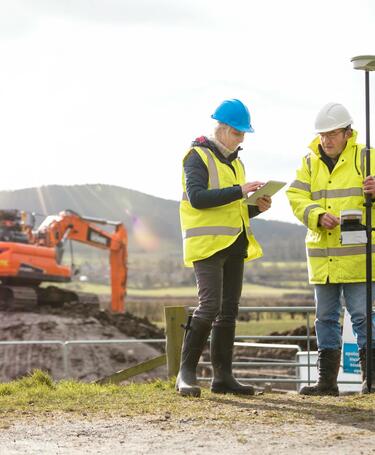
[217,241]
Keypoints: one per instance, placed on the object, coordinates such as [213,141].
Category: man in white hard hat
[331,180]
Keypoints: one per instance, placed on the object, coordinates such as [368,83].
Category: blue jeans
[328,306]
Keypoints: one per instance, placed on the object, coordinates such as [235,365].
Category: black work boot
[196,335]
[222,340]
[362,361]
[328,370]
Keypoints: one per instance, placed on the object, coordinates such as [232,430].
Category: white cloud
[14,20]
[114,12]
[114,91]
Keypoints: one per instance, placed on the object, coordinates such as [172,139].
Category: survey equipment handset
[353,232]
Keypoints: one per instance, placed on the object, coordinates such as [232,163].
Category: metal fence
[271,363]
[65,347]
[174,341]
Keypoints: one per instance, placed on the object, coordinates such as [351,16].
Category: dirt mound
[299,331]
[74,321]
[242,353]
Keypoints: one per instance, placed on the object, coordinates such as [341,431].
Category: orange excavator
[31,257]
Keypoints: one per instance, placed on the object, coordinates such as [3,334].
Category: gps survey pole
[367,64]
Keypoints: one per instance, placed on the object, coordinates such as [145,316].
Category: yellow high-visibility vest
[207,231]
[316,191]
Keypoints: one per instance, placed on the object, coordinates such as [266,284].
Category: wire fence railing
[65,349]
[270,366]
[270,363]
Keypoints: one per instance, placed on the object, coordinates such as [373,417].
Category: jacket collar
[203,141]
[314,146]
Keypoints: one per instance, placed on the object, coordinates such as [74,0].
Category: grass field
[267,326]
[263,326]
[249,290]
[154,309]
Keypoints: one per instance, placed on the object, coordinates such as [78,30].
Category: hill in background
[152,222]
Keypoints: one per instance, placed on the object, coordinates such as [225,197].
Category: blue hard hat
[235,114]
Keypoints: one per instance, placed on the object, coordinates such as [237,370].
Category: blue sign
[351,358]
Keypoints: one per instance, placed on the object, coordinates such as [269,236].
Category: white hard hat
[331,117]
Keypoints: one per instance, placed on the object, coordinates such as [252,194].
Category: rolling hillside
[152,223]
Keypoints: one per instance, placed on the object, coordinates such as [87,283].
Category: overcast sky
[113,91]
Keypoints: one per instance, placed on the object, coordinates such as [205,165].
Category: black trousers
[219,281]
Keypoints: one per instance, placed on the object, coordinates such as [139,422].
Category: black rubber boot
[222,340]
[362,361]
[328,370]
[196,335]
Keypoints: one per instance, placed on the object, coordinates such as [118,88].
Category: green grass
[85,287]
[249,290]
[262,327]
[154,309]
[37,396]
[254,290]
[267,326]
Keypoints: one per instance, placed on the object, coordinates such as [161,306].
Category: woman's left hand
[264,203]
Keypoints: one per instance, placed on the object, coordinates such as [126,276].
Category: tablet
[268,189]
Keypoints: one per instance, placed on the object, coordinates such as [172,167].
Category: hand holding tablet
[268,189]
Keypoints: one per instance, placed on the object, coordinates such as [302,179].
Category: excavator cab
[13,226]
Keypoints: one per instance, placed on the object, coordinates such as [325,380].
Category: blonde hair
[219,127]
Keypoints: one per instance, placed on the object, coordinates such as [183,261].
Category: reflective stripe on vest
[308,161]
[300,185]
[212,169]
[326,194]
[213,230]
[212,172]
[332,252]
[307,211]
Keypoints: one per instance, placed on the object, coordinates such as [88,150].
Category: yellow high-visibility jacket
[316,191]
[207,231]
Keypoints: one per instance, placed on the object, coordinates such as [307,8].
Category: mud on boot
[328,370]
[362,361]
[196,335]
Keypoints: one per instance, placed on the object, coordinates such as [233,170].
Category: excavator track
[17,297]
[24,297]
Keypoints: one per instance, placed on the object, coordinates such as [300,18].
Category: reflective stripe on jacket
[207,231]
[316,191]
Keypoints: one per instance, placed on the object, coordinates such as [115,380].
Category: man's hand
[369,185]
[249,187]
[328,221]
[263,203]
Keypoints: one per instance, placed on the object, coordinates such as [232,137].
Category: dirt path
[59,434]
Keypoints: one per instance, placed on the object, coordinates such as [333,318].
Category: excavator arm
[68,225]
